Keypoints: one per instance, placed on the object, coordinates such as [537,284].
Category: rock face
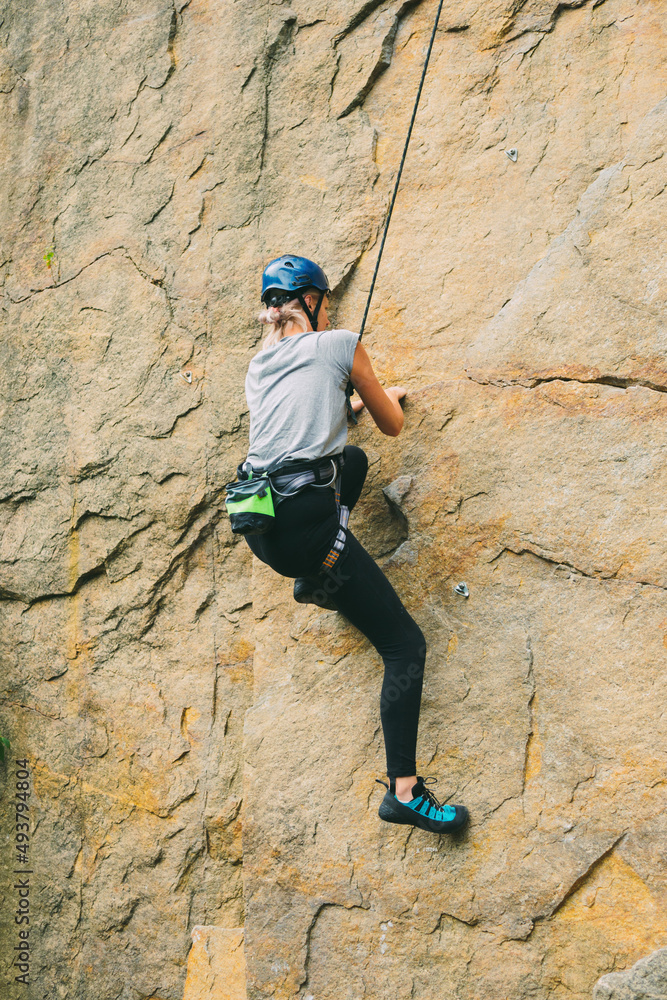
[202,749]
[647,980]
[216,967]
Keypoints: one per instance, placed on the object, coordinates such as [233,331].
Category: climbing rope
[349,389]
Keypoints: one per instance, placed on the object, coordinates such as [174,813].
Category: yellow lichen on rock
[216,965]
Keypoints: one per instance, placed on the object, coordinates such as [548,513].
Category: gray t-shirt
[296,396]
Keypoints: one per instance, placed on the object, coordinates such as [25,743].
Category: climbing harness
[339,543]
[295,482]
[252,499]
[298,480]
[349,389]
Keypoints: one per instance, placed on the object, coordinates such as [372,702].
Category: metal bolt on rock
[462,590]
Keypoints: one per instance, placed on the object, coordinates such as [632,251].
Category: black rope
[350,388]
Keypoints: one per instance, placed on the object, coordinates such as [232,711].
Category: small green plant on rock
[4,742]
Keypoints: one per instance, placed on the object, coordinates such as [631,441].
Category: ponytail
[277,318]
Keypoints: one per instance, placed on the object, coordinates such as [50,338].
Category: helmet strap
[311,316]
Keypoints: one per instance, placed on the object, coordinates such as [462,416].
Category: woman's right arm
[382,404]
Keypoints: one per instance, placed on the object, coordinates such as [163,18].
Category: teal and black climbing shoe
[310,590]
[423,811]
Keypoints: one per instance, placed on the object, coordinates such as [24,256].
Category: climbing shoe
[423,811]
[310,590]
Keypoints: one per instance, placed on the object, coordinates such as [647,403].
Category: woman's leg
[305,528]
[364,595]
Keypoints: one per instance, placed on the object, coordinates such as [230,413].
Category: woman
[295,388]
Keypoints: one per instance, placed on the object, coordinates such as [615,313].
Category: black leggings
[306,526]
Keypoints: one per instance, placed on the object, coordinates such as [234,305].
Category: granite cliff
[202,749]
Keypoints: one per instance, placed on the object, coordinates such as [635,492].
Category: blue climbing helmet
[287,277]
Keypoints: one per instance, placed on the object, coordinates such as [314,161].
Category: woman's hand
[397,391]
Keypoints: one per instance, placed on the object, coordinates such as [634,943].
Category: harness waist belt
[321,472]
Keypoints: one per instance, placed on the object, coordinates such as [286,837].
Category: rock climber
[295,389]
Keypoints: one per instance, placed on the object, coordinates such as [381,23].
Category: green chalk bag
[249,503]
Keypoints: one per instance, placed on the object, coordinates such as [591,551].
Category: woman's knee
[353,453]
[355,470]
[414,649]
[408,646]
[421,640]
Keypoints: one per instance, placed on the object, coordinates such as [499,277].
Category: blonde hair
[277,318]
